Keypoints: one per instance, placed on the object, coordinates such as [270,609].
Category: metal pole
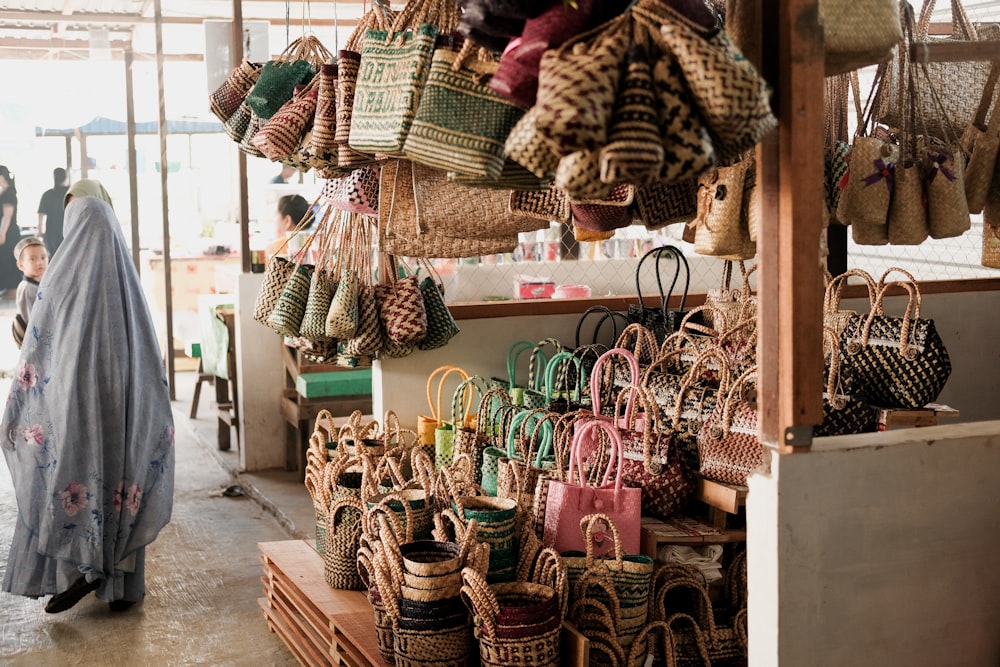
[133,169]
[164,168]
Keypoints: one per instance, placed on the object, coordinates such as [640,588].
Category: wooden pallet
[323,626]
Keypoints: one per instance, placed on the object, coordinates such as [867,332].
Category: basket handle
[588,524]
[480,600]
[596,372]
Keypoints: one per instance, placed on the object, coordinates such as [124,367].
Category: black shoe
[68,598]
[121,605]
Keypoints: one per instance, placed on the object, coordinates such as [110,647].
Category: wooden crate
[323,626]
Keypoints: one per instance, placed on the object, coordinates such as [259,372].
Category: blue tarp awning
[101,125]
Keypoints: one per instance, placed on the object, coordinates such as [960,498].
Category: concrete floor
[203,572]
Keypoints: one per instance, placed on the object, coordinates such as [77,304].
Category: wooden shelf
[929,415]
[323,626]
[684,530]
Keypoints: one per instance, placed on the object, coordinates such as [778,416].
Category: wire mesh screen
[549,264]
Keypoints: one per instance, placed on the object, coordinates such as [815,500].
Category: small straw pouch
[227,98]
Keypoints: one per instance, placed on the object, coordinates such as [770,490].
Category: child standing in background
[32,259]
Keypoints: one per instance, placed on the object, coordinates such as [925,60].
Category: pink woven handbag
[571,500]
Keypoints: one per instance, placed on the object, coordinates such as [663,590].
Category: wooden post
[164,200]
[790,287]
[236,57]
[133,178]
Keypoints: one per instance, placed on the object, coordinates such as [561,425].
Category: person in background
[10,233]
[285,175]
[88,431]
[50,211]
[32,259]
[87,187]
[291,210]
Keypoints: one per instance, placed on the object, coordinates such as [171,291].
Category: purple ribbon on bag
[882,170]
[937,164]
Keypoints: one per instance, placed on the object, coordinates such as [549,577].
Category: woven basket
[340,564]
[515,623]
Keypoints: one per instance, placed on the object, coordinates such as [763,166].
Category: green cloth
[214,334]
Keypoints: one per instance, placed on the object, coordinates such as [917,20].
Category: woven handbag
[577,85]
[461,124]
[427,424]
[955,86]
[550,204]
[981,141]
[578,174]
[227,98]
[441,326]
[393,75]
[733,98]
[634,150]
[858,34]
[237,124]
[357,192]
[844,410]
[277,273]
[867,187]
[605,214]
[991,246]
[279,136]
[630,576]
[367,338]
[399,229]
[378,18]
[343,316]
[340,553]
[448,208]
[570,500]
[652,462]
[661,320]
[720,226]
[252,125]
[689,150]
[729,445]
[527,146]
[900,362]
[313,324]
[295,66]
[324,124]
[907,223]
[400,305]
[947,206]
[662,204]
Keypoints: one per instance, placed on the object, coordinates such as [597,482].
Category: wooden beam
[954,51]
[16,19]
[133,168]
[790,288]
